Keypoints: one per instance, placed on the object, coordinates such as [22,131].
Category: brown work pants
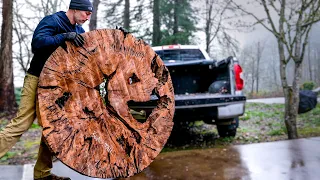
[21,123]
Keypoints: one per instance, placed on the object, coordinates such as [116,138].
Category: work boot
[53,177]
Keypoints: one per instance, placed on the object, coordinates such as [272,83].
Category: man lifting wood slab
[94,135]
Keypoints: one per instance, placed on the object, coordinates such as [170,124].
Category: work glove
[75,38]
[124,31]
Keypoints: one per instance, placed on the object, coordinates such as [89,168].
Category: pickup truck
[205,89]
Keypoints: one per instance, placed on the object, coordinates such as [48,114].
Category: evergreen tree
[156,34]
[177,17]
[125,13]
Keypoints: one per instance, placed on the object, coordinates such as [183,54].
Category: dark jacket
[48,37]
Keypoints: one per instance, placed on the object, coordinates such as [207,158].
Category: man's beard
[80,23]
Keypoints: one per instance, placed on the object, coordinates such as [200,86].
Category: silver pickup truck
[205,89]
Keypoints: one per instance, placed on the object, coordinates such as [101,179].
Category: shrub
[309,85]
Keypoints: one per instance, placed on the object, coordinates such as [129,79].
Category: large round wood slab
[98,136]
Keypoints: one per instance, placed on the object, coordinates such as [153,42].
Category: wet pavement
[278,100]
[282,160]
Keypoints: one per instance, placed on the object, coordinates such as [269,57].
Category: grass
[309,131]
[29,144]
[259,111]
[276,132]
[196,124]
[8,155]
[312,118]
[264,123]
[35,126]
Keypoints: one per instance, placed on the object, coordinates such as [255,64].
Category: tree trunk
[258,66]
[291,101]
[253,75]
[7,100]
[291,111]
[156,35]
[94,15]
[175,21]
[126,16]
[309,63]
[83,97]
[208,25]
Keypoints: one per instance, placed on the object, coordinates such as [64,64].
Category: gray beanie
[84,5]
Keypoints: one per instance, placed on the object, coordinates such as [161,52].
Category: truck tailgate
[206,100]
[187,101]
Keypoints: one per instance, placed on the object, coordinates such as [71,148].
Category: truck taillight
[174,46]
[238,77]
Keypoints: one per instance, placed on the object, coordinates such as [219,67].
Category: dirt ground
[260,123]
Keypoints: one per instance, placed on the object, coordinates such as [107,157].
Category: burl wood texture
[95,136]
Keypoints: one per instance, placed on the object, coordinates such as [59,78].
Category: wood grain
[98,136]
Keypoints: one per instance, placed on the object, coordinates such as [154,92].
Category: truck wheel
[228,130]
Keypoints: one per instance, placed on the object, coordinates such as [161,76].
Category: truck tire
[228,130]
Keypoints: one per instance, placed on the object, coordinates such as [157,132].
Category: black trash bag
[308,101]
[222,87]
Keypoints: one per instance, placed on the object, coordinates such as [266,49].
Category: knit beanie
[84,5]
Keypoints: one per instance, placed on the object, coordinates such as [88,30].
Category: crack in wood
[52,70]
[63,99]
[52,108]
[80,82]
[150,147]
[45,128]
[72,140]
[136,160]
[93,50]
[154,65]
[58,119]
[140,41]
[83,54]
[125,144]
[160,72]
[89,141]
[114,113]
[164,102]
[54,128]
[90,113]
[49,87]
[98,164]
[133,79]
[152,118]
[106,80]
[163,79]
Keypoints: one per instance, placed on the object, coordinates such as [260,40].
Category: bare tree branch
[259,20]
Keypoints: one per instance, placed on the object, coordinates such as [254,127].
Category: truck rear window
[180,54]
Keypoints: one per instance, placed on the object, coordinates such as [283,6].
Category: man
[51,32]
